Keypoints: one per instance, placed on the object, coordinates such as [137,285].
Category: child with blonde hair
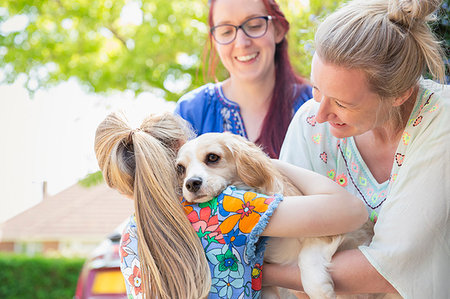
[161,254]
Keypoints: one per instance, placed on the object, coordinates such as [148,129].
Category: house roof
[75,213]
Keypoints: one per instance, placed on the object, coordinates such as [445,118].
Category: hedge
[38,277]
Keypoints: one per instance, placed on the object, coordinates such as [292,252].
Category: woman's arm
[325,208]
[350,270]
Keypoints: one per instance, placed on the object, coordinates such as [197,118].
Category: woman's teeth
[246,58]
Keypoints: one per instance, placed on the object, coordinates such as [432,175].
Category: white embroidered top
[411,246]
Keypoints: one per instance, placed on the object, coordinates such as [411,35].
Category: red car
[100,277]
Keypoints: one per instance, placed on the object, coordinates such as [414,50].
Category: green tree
[442,30]
[139,45]
[304,20]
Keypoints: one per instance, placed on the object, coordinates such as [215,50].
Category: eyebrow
[336,99]
[248,17]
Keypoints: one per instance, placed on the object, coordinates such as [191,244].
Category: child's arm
[325,208]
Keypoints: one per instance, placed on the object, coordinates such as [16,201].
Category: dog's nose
[193,184]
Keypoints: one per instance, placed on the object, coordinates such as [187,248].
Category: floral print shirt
[229,227]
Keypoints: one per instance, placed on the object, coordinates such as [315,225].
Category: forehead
[339,82]
[200,146]
[235,11]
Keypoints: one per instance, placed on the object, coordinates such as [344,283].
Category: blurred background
[64,65]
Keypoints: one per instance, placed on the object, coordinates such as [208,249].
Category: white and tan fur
[213,161]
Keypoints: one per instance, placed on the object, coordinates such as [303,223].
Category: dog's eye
[180,169]
[212,158]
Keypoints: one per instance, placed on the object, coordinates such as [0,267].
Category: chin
[344,131]
[339,133]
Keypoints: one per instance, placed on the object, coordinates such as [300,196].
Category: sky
[50,137]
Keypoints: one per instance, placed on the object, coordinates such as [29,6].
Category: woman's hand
[350,270]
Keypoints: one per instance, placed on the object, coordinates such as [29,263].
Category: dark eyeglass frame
[266,18]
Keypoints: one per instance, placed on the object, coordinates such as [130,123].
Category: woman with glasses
[262,93]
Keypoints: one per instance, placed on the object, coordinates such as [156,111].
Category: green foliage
[91,179]
[38,277]
[90,41]
[442,29]
[304,21]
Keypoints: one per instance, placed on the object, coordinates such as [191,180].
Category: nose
[324,111]
[194,184]
[241,38]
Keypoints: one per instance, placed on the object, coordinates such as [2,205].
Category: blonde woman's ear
[405,96]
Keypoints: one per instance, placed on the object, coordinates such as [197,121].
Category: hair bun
[409,12]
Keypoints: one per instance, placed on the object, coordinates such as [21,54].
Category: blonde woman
[161,242]
[382,132]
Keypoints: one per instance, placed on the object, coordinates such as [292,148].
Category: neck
[254,102]
[392,129]
[250,95]
[384,136]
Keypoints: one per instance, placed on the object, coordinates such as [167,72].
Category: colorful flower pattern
[331,174]
[342,180]
[133,280]
[123,246]
[245,211]
[355,167]
[228,227]
[256,277]
[316,138]
[225,226]
[206,224]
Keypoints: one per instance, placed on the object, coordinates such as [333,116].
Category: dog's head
[208,164]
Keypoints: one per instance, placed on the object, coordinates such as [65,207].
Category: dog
[209,163]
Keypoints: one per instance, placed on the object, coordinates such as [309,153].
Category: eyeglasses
[253,28]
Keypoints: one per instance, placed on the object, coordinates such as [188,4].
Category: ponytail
[140,163]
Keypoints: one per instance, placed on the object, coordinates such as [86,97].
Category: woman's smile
[247,58]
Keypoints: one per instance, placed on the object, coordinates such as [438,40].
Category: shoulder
[434,93]
[197,95]
[197,102]
[241,192]
[247,213]
[311,106]
[431,111]
[305,115]
[202,108]
[232,199]
[130,225]
[304,94]
[442,90]
[128,241]
[129,258]
[306,139]
[441,98]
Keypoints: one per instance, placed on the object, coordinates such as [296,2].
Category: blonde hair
[389,40]
[141,163]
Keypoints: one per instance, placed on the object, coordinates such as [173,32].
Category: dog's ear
[253,165]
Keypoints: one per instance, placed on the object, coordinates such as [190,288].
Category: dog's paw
[322,291]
